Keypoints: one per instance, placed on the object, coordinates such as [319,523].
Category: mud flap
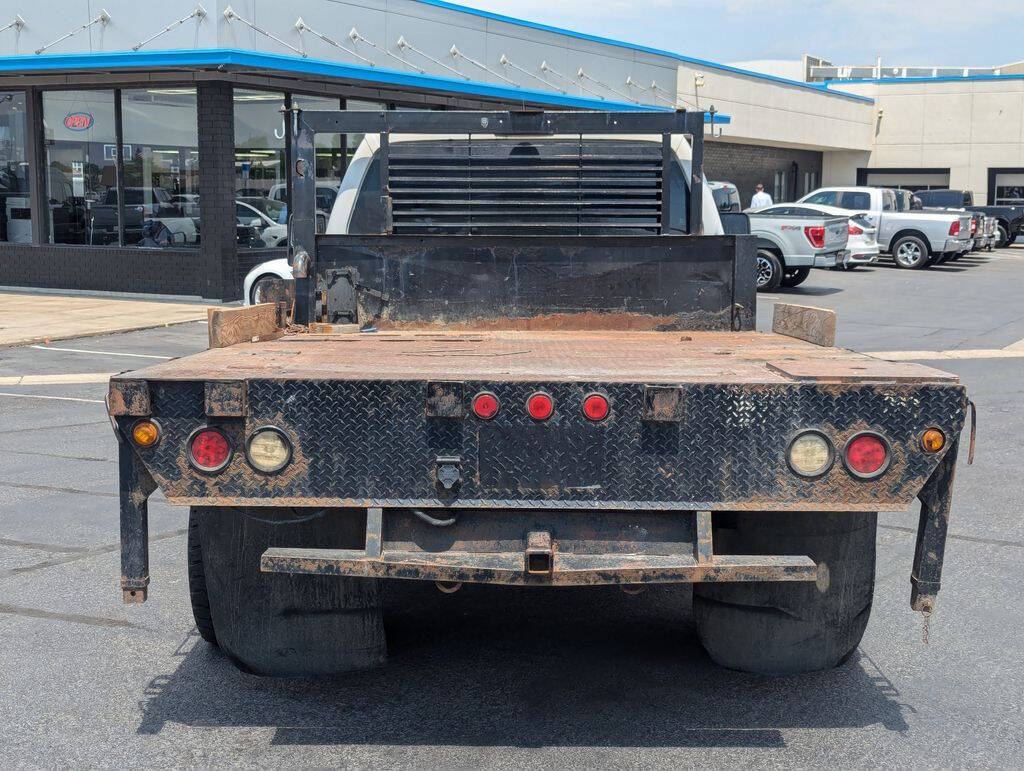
[136,487]
[936,498]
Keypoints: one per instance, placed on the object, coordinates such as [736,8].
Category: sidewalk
[34,318]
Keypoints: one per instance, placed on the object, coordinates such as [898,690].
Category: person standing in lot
[761,198]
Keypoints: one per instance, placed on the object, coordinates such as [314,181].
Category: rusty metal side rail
[511,568]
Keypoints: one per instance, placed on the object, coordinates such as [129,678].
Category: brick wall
[746,165]
[217,190]
[103,268]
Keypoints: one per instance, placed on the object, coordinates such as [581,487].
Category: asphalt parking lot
[509,677]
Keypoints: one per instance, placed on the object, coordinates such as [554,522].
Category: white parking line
[98,353]
[85,377]
[53,398]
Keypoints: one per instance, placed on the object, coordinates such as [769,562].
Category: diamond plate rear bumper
[663,452]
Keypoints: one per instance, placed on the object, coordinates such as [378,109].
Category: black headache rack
[604,225]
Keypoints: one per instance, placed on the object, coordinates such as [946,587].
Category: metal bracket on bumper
[523,567]
[936,498]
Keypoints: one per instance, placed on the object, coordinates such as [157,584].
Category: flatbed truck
[503,382]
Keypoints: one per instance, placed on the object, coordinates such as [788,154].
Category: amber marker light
[933,440]
[145,433]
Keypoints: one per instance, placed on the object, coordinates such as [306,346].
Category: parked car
[151,218]
[270,208]
[727,197]
[188,203]
[271,233]
[326,193]
[908,201]
[915,239]
[862,246]
[1009,219]
[793,239]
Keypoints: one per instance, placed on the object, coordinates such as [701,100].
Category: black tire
[1004,236]
[910,252]
[785,628]
[197,582]
[769,271]
[795,276]
[288,625]
[260,285]
[851,266]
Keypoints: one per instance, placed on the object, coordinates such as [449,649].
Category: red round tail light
[867,455]
[540,406]
[595,407]
[209,450]
[485,405]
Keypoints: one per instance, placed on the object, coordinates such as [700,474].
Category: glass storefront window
[260,162]
[160,136]
[81,174]
[15,220]
[259,144]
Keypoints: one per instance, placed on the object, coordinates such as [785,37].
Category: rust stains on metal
[445,400]
[622,321]
[128,397]
[225,398]
[662,403]
[566,570]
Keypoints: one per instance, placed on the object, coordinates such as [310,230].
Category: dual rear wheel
[309,625]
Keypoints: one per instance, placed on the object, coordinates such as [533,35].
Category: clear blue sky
[934,32]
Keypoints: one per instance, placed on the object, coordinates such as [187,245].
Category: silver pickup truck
[790,243]
[915,239]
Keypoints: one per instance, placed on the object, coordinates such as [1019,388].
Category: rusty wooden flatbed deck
[605,356]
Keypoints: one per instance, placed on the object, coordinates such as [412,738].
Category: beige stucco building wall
[967,126]
[770,112]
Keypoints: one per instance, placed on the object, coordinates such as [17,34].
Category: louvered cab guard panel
[519,186]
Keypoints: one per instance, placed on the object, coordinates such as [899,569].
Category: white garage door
[908,181]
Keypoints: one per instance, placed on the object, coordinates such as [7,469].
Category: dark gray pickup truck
[1009,219]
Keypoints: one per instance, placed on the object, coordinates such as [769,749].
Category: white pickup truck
[790,243]
[915,239]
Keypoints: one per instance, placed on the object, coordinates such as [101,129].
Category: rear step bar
[539,562]
[515,568]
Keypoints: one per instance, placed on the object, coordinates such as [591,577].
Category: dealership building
[143,148]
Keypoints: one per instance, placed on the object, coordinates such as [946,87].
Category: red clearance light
[867,455]
[540,406]
[854,230]
[954,229]
[595,407]
[209,450]
[816,235]
[485,405]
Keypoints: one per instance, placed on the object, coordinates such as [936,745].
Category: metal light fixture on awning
[584,76]
[198,14]
[355,37]
[230,13]
[504,61]
[404,44]
[457,54]
[301,26]
[545,67]
[18,23]
[101,18]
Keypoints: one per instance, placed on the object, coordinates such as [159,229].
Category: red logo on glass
[78,121]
